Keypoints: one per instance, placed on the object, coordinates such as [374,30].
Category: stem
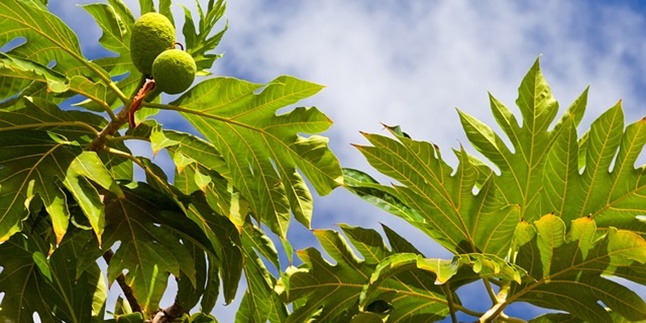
[501,302]
[136,160]
[53,124]
[169,314]
[199,113]
[101,139]
[121,280]
[504,318]
[99,143]
[449,298]
[467,311]
[492,294]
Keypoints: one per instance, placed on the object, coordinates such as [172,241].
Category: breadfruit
[174,71]
[152,34]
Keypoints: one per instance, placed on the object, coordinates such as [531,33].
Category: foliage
[547,222]
[549,219]
[70,173]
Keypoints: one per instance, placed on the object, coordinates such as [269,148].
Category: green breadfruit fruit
[152,34]
[174,71]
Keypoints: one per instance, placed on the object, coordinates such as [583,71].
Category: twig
[147,87]
[501,302]
[168,314]
[101,140]
[449,298]
[121,280]
[492,294]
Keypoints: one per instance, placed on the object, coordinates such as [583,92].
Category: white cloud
[412,66]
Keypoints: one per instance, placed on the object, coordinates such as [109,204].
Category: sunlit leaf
[333,293]
[48,42]
[263,150]
[43,163]
[574,282]
[201,41]
[434,197]
[260,302]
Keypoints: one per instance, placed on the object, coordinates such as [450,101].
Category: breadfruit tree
[546,220]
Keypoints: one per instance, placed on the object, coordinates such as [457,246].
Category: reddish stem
[148,86]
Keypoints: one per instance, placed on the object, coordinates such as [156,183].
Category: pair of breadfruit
[152,49]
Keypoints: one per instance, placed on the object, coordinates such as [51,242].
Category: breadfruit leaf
[22,69]
[200,41]
[260,302]
[46,163]
[332,292]
[42,38]
[434,197]
[522,165]
[263,149]
[570,277]
[116,21]
[149,248]
[225,240]
[606,185]
[50,286]
[589,187]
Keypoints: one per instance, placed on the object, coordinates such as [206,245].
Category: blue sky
[412,63]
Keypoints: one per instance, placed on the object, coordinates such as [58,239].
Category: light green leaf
[331,293]
[116,30]
[524,233]
[34,163]
[583,230]
[22,69]
[596,176]
[368,242]
[333,289]
[520,170]
[48,40]
[260,302]
[383,197]
[263,150]
[574,283]
[201,41]
[551,235]
[434,197]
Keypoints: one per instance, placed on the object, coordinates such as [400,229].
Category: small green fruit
[174,71]
[152,34]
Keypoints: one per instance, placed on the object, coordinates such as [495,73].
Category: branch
[169,314]
[102,138]
[501,302]
[121,280]
[490,291]
[449,298]
[119,120]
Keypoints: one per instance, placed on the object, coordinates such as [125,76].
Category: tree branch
[169,314]
[119,120]
[121,280]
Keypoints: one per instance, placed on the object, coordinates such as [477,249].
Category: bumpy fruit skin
[152,34]
[174,71]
